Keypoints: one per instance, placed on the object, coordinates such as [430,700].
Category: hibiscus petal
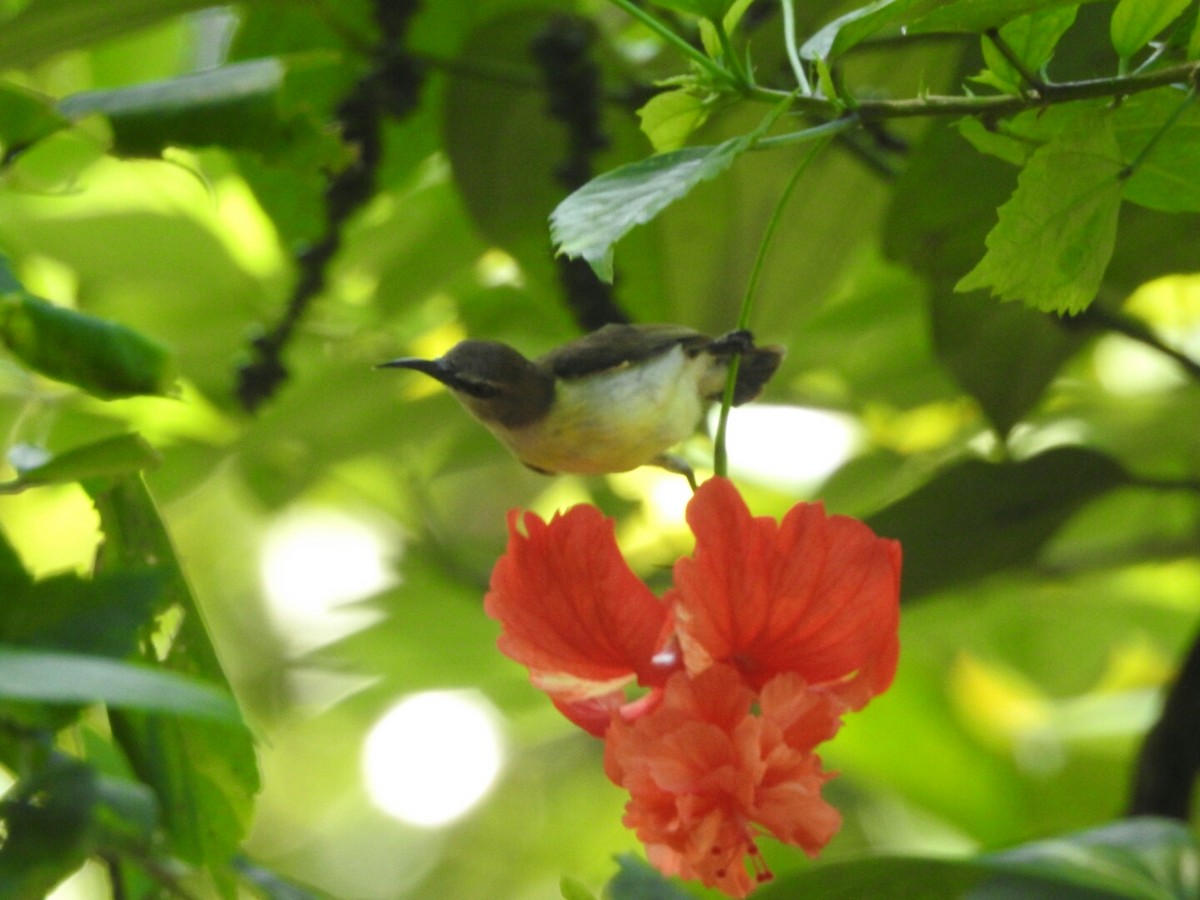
[571,610]
[805,716]
[817,595]
[706,775]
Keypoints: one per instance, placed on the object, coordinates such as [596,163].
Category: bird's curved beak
[434,368]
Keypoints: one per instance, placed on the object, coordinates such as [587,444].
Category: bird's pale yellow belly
[616,420]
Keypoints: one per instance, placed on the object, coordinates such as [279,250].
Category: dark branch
[390,88]
[574,92]
[1101,319]
[1170,757]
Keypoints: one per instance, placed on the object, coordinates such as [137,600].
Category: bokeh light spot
[315,560]
[789,446]
[433,756]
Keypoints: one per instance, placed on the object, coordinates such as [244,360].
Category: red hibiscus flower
[705,776]
[814,594]
[771,632]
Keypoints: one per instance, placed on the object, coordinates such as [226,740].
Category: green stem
[825,129]
[677,42]
[789,42]
[731,57]
[720,455]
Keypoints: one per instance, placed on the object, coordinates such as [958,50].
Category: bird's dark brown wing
[618,345]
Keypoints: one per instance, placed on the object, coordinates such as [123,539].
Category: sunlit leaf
[592,219]
[1168,177]
[1056,233]
[1032,38]
[669,118]
[1136,22]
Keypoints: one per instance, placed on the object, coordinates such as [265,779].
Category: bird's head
[494,381]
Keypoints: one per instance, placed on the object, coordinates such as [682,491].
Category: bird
[610,401]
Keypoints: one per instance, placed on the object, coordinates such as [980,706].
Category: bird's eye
[482,390]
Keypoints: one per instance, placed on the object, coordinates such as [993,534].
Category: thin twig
[1031,78]
[1135,330]
[993,104]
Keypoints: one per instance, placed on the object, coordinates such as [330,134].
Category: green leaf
[977,518]
[106,359]
[103,616]
[123,454]
[45,819]
[588,222]
[1002,145]
[232,105]
[63,812]
[204,773]
[45,27]
[1136,22]
[668,119]
[1137,858]
[973,16]
[248,105]
[1032,38]
[1004,355]
[637,880]
[25,118]
[1168,177]
[850,29]
[574,889]
[919,16]
[1056,233]
[49,677]
[14,580]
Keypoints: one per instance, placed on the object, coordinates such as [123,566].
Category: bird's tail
[755,368]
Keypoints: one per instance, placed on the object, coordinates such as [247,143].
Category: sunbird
[610,401]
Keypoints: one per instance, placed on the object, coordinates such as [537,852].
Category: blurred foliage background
[175,168]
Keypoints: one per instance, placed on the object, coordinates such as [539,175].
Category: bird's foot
[676,464]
